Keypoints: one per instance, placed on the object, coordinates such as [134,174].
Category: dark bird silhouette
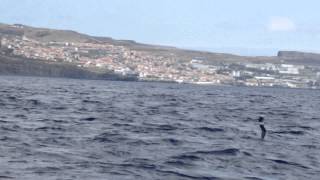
[263,129]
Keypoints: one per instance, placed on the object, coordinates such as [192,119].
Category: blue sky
[248,27]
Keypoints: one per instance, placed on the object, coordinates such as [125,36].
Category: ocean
[82,129]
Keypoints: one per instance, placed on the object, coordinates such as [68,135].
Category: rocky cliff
[301,57]
[29,67]
[297,54]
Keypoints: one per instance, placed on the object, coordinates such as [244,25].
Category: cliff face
[28,67]
[300,57]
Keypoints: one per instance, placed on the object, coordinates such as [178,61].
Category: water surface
[78,129]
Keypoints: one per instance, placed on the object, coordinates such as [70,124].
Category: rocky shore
[10,65]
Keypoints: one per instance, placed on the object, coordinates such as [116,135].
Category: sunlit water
[78,129]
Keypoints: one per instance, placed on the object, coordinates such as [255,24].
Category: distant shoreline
[29,51]
[17,66]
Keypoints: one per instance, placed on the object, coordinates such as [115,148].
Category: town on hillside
[148,66]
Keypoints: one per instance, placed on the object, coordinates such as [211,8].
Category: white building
[290,69]
[125,71]
[236,73]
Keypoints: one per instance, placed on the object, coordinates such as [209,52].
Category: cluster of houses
[148,66]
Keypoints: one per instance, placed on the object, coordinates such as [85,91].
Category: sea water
[79,129]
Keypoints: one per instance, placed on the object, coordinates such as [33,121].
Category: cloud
[281,24]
